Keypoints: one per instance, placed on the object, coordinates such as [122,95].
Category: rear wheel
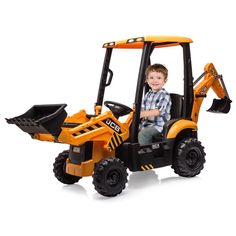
[110,177]
[60,170]
[189,157]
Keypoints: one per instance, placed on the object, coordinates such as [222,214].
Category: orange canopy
[138,42]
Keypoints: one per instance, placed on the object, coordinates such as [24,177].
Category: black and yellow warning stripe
[147,167]
[115,141]
[88,129]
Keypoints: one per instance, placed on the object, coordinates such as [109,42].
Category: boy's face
[156,80]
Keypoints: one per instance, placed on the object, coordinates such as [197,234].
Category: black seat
[176,106]
[176,111]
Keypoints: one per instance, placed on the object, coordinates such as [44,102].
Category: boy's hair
[157,68]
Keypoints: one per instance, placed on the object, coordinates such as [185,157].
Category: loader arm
[104,128]
[211,79]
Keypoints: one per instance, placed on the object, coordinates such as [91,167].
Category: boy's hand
[154,112]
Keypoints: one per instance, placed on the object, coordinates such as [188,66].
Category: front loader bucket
[41,119]
[220,105]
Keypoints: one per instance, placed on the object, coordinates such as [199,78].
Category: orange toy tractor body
[104,147]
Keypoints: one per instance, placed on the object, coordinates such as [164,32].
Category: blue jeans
[146,135]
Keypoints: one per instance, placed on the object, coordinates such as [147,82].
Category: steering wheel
[118,109]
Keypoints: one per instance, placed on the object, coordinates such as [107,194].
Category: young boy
[156,104]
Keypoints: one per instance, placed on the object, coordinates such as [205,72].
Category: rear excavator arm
[211,80]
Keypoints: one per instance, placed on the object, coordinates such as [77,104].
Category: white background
[51,52]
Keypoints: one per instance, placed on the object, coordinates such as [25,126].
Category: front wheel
[59,169]
[189,157]
[110,177]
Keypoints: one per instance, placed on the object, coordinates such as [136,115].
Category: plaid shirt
[156,100]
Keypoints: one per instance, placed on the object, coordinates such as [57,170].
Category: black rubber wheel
[110,177]
[59,169]
[189,157]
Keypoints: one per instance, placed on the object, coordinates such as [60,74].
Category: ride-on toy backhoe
[102,146]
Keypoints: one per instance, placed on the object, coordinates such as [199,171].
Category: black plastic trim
[103,80]
[188,81]
[139,91]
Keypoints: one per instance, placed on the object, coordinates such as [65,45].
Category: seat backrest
[176,110]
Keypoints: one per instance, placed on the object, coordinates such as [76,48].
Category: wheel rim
[113,178]
[193,158]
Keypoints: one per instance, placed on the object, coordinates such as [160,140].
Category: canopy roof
[161,41]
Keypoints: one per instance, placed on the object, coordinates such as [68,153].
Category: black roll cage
[145,61]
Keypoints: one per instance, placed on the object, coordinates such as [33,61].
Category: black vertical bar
[103,79]
[146,89]
[188,81]
[139,92]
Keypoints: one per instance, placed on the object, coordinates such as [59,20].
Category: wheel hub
[113,178]
[193,158]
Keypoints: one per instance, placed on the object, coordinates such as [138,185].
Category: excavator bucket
[220,105]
